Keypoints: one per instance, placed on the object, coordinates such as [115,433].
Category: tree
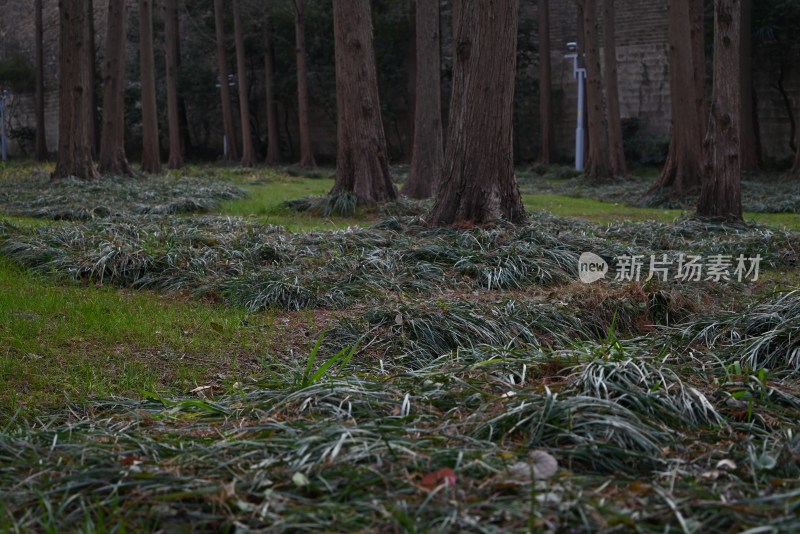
[151,152]
[112,141]
[748,156]
[362,163]
[478,184]
[173,112]
[224,89]
[617,150]
[92,51]
[306,148]
[273,138]
[796,166]
[74,142]
[41,139]
[720,196]
[545,84]
[599,162]
[428,152]
[248,151]
[683,170]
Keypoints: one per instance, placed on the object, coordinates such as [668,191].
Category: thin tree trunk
[796,166]
[412,73]
[478,183]
[151,153]
[273,137]
[92,51]
[306,148]
[248,151]
[362,159]
[74,143]
[41,138]
[720,196]
[428,152]
[224,88]
[617,150]
[173,115]
[749,152]
[683,171]
[545,85]
[112,141]
[599,162]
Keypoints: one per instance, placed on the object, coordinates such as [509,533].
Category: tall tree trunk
[41,139]
[618,166]
[697,36]
[112,141]
[428,153]
[92,51]
[599,162]
[248,151]
[173,115]
[74,143]
[183,116]
[224,88]
[796,166]
[545,85]
[720,196]
[478,183]
[362,165]
[683,171]
[151,153]
[412,73]
[748,155]
[273,137]
[306,148]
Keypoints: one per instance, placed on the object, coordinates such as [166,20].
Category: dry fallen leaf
[435,479]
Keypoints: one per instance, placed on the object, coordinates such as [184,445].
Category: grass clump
[765,335]
[80,200]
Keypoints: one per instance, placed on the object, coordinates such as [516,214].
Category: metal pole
[580,76]
[579,148]
[3,95]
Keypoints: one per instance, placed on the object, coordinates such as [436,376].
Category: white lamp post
[580,76]
[231,83]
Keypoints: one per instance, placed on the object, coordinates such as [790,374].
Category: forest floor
[191,353]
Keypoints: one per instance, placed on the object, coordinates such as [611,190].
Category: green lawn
[63,340]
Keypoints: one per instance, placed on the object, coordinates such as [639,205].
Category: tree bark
[92,51]
[598,167]
[697,32]
[428,151]
[112,141]
[683,171]
[248,151]
[545,85]
[41,139]
[224,88]
[362,159]
[616,148]
[720,196]
[306,148]
[478,183]
[151,153]
[796,166]
[749,149]
[411,58]
[173,115]
[74,143]
[273,137]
